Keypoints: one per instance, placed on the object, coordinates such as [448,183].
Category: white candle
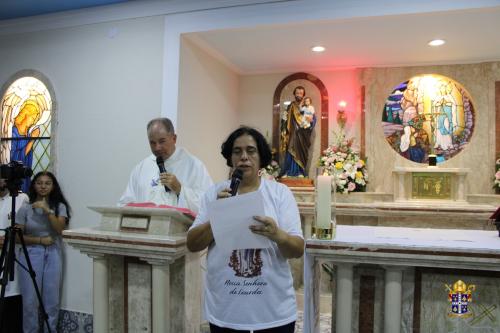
[324,202]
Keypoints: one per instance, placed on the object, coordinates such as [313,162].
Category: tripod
[8,258]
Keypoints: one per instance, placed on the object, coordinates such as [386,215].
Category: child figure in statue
[307,111]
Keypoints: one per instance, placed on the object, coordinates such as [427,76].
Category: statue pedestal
[144,278]
[296,181]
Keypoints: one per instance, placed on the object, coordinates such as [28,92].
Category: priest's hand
[225,193]
[171,181]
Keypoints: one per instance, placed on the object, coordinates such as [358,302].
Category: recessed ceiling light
[318,48]
[436,42]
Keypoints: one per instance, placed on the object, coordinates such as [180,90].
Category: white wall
[281,13]
[208,103]
[107,80]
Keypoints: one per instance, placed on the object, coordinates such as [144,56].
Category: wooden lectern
[144,278]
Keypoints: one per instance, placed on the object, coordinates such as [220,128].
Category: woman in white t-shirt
[251,289]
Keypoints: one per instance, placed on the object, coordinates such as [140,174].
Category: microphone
[159,161]
[235,181]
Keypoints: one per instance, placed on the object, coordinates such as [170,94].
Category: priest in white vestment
[186,177]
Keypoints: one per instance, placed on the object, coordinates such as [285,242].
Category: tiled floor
[72,322]
[325,321]
[325,324]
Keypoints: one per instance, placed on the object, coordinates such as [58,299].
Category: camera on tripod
[14,170]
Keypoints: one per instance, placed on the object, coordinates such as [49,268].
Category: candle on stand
[323,202]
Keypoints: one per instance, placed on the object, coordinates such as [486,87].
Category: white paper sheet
[230,219]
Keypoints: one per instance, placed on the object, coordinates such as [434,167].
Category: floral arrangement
[272,171]
[345,165]
[496,184]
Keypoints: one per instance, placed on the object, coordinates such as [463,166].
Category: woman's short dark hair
[262,146]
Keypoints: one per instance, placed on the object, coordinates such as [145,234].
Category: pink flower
[351,187]
[497,175]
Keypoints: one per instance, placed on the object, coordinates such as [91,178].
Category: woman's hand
[47,240]
[41,204]
[225,193]
[289,246]
[267,228]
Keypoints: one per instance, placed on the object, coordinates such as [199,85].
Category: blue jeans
[47,264]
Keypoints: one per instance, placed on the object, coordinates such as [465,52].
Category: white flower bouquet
[345,166]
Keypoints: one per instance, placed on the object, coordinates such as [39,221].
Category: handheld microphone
[235,181]
[159,161]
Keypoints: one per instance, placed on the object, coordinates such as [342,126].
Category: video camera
[13,171]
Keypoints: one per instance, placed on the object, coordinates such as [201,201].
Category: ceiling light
[318,48]
[436,42]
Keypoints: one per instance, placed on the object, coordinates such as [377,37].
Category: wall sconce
[341,117]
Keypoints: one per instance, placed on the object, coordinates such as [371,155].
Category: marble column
[161,295]
[461,195]
[308,224]
[100,293]
[312,277]
[343,304]
[393,297]
[401,191]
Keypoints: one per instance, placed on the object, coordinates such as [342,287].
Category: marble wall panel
[139,297]
[116,280]
[479,79]
[435,305]
[177,288]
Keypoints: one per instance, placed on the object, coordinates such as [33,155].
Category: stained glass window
[26,112]
[428,115]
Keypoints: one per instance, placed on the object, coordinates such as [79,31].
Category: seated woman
[251,289]
[42,220]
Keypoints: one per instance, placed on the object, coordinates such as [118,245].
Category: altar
[141,270]
[393,249]
[431,182]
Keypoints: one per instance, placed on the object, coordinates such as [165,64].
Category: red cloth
[184,211]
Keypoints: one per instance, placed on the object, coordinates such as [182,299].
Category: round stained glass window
[428,115]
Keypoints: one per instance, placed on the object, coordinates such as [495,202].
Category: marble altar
[394,250]
[129,245]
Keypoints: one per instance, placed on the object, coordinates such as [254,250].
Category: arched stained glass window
[26,112]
